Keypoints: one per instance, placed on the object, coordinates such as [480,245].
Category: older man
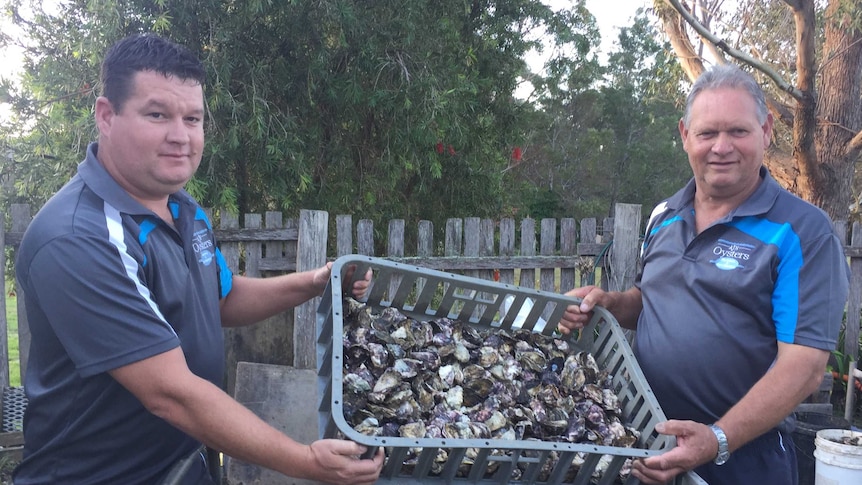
[739,302]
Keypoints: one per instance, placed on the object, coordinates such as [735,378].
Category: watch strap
[723,449]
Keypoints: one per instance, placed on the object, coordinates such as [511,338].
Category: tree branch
[735,53]
[707,12]
[674,27]
[855,144]
[783,113]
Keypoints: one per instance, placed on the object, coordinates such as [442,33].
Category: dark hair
[727,76]
[145,52]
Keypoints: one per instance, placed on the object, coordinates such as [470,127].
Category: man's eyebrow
[156,104]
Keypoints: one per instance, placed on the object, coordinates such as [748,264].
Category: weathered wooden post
[4,327]
[548,247]
[568,247]
[853,320]
[854,300]
[395,249]
[507,248]
[343,235]
[286,396]
[365,237]
[528,248]
[624,253]
[310,254]
[20,220]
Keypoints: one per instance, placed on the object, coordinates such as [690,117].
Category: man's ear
[767,130]
[104,114]
[683,134]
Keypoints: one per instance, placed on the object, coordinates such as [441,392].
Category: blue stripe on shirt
[660,227]
[146,228]
[785,295]
[224,272]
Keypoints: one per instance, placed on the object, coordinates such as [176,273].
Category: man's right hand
[338,462]
[578,316]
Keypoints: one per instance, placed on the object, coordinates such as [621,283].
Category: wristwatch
[723,453]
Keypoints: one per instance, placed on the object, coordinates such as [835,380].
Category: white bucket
[837,463]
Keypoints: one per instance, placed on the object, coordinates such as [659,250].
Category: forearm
[166,387]
[244,436]
[792,378]
[254,299]
[626,306]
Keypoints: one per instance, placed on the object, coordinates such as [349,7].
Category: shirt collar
[759,202]
[94,175]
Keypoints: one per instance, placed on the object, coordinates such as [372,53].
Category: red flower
[516,154]
[439,147]
[451,150]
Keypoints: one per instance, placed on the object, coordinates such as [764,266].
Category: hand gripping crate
[425,294]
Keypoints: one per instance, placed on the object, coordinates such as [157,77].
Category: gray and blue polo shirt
[107,284]
[717,303]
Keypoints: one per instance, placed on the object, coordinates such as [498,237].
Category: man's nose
[723,144]
[178,132]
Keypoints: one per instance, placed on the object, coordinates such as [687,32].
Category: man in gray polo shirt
[126,293]
[739,302]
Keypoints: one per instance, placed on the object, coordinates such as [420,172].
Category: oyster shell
[444,379]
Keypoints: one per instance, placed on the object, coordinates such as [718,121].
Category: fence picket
[507,248]
[365,237]
[528,248]
[548,247]
[566,254]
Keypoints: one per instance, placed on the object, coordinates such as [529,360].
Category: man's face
[153,146]
[725,142]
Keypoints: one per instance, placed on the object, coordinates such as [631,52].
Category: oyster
[444,379]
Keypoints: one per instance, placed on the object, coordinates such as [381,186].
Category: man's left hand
[360,286]
[695,445]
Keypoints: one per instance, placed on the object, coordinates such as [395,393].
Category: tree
[610,131]
[816,99]
[389,109]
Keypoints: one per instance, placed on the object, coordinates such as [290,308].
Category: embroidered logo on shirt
[731,254]
[203,246]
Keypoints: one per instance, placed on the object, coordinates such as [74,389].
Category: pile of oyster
[444,379]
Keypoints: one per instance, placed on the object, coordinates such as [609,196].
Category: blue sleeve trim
[225,275]
[146,228]
[200,215]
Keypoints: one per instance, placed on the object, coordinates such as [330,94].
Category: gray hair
[727,76]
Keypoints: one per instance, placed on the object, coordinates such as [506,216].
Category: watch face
[721,459]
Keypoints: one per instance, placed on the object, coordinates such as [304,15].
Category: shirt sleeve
[813,317]
[97,305]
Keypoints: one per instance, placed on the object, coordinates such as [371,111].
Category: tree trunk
[840,111]
[827,114]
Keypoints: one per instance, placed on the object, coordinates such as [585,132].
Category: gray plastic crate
[425,294]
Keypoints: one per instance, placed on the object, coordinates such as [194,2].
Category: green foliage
[542,204]
[335,104]
[386,109]
[613,131]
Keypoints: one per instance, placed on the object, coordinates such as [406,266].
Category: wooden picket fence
[547,254]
